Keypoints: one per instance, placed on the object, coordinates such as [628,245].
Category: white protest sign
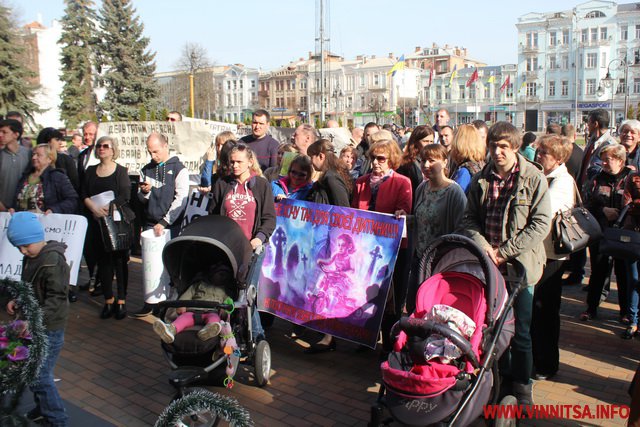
[197,206]
[68,229]
[187,140]
[340,137]
[155,279]
[282,135]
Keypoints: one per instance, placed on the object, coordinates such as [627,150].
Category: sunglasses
[380,159]
[298,174]
[105,146]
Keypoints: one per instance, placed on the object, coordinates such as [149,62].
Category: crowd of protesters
[495,185]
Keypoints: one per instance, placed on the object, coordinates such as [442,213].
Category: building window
[624,32]
[565,88]
[595,14]
[447,94]
[532,40]
[350,80]
[288,84]
[376,80]
[362,80]
[636,85]
[241,98]
[531,89]
[552,62]
[229,84]
[637,31]
[461,94]
[553,39]
[621,86]
[293,85]
[565,37]
[229,100]
[439,93]
[552,88]
[603,33]
[532,63]
[584,35]
[594,35]
[592,60]
[253,84]
[241,84]
[565,62]
[591,86]
[235,84]
[362,104]
[349,102]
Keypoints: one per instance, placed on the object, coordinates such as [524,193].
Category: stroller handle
[196,304]
[424,328]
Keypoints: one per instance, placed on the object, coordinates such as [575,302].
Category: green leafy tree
[164,114]
[153,116]
[126,65]
[16,91]
[78,101]
[142,114]
[630,112]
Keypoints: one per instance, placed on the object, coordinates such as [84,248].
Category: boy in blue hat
[45,267]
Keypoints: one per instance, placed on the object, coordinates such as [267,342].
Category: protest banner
[329,268]
[339,137]
[187,140]
[69,229]
[197,206]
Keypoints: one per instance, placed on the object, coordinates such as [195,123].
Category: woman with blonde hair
[468,153]
[213,159]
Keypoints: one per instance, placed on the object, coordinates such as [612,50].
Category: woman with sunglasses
[332,188]
[384,190]
[297,184]
[108,176]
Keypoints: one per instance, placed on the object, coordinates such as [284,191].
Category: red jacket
[394,194]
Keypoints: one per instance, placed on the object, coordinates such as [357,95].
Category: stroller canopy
[205,241]
[454,252]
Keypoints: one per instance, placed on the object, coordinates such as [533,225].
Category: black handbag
[620,242]
[116,235]
[574,229]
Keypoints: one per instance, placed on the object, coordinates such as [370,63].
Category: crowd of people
[495,185]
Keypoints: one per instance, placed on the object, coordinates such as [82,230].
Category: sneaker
[166,331]
[34,415]
[209,331]
[146,310]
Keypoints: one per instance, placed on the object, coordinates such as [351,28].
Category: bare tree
[195,60]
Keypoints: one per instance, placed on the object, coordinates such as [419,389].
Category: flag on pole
[431,73]
[473,78]
[454,73]
[492,78]
[524,83]
[505,84]
[397,66]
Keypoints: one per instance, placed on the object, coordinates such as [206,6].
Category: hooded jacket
[48,274]
[166,202]
[527,218]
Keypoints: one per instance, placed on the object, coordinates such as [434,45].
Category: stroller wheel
[507,401]
[262,363]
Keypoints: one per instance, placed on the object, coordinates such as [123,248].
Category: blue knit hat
[24,229]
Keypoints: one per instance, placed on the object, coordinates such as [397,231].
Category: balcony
[376,88]
[529,49]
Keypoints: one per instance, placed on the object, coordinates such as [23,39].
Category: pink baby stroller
[417,391]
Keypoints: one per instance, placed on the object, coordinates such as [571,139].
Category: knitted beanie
[24,229]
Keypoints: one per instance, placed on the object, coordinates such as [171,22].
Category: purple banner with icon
[329,268]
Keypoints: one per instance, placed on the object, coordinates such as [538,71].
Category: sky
[267,34]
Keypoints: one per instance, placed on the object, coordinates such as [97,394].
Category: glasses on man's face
[105,146]
[298,174]
[379,159]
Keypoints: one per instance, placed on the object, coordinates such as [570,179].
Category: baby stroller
[459,275]
[205,241]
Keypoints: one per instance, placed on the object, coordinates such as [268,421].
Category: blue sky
[269,33]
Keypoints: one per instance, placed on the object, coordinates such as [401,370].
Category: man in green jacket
[509,215]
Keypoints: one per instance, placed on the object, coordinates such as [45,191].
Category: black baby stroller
[206,241]
[419,389]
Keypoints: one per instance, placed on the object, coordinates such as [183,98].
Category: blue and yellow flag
[454,73]
[492,78]
[397,66]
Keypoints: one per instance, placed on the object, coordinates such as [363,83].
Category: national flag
[431,73]
[473,78]
[492,78]
[524,83]
[505,84]
[454,73]
[397,66]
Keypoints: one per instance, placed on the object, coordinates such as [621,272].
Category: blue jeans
[256,324]
[45,394]
[517,361]
[633,291]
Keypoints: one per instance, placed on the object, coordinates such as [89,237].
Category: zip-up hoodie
[48,274]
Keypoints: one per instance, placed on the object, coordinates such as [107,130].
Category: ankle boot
[121,311]
[523,392]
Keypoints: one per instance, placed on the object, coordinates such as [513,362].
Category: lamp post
[337,93]
[609,82]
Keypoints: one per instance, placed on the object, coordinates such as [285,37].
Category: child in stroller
[204,287]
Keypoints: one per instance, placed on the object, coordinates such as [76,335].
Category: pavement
[115,371]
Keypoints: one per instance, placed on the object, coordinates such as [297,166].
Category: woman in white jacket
[553,151]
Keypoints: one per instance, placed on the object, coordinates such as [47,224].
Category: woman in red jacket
[386,191]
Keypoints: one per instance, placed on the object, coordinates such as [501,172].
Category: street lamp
[337,93]
[608,82]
